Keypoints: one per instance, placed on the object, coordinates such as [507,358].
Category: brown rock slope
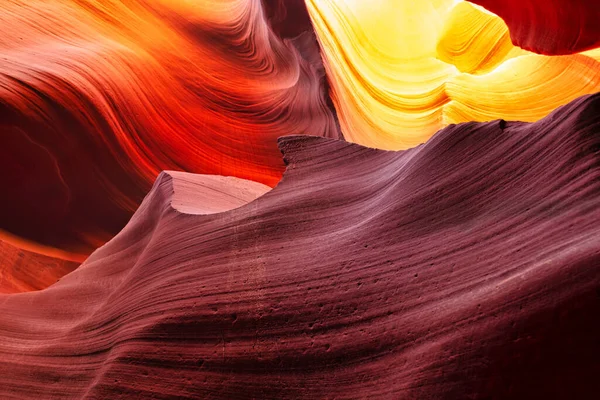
[465,268]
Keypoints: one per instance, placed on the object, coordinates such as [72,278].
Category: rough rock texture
[467,267]
[550,27]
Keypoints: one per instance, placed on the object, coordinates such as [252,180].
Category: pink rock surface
[467,267]
[211,194]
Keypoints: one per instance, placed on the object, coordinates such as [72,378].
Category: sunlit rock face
[463,268]
[550,26]
[401,70]
[97,97]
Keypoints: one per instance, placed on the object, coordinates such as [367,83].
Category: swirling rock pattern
[474,41]
[97,97]
[387,84]
[540,86]
[401,70]
[363,274]
[550,26]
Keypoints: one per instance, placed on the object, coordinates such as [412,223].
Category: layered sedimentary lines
[388,86]
[464,268]
[401,70]
[22,270]
[210,194]
[539,86]
[97,97]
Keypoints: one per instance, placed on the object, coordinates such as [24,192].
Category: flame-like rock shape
[550,26]
[463,268]
[401,70]
[97,97]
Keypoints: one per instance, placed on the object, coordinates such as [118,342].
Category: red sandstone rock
[96,98]
[23,271]
[467,267]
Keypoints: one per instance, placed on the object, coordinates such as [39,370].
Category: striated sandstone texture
[464,268]
[22,270]
[97,97]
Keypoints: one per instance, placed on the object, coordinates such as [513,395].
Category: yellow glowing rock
[595,54]
[402,69]
[388,87]
[475,41]
[525,88]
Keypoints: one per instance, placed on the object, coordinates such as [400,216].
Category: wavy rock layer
[97,97]
[550,26]
[463,268]
[23,271]
[401,70]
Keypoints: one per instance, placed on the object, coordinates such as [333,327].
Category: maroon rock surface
[551,27]
[467,267]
